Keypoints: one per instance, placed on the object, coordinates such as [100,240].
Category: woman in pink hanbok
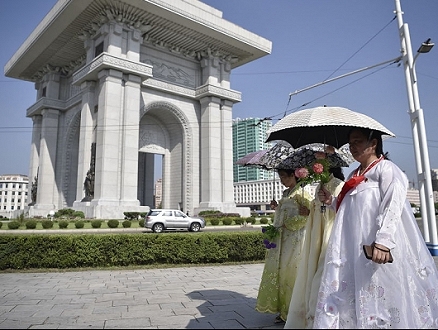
[372,209]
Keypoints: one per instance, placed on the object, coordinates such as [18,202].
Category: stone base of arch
[224,208]
[108,210]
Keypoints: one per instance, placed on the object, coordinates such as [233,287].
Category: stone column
[47,188]
[108,146]
[34,154]
[227,154]
[129,140]
[86,137]
[211,153]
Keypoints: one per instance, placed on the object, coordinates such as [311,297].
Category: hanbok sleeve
[393,189]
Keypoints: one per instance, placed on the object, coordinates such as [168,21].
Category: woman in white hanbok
[317,232]
[372,208]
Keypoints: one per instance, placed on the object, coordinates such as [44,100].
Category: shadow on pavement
[224,309]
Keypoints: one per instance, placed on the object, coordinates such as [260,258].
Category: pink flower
[301,173]
[318,168]
[319,155]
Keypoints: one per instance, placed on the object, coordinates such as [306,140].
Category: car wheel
[158,228]
[195,227]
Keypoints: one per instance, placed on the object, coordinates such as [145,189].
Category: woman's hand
[380,254]
[303,210]
[324,196]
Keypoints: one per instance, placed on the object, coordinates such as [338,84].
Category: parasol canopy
[327,125]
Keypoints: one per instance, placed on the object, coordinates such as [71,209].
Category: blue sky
[312,40]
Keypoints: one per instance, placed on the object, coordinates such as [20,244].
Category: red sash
[354,181]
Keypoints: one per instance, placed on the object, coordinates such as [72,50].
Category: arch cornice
[198,93]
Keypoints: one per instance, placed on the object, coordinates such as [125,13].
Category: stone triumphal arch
[119,81]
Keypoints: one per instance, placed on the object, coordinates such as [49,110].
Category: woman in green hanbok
[281,263]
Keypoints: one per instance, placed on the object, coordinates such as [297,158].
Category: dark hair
[337,173]
[288,171]
[370,135]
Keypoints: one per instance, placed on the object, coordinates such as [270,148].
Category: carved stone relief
[172,74]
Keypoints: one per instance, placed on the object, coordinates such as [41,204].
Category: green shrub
[238,221]
[65,213]
[1,224]
[13,225]
[96,223]
[250,220]
[214,222]
[126,224]
[113,223]
[30,224]
[79,224]
[60,251]
[141,223]
[78,214]
[47,224]
[264,221]
[209,212]
[63,224]
[227,221]
[134,215]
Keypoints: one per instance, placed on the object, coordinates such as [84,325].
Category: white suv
[163,219]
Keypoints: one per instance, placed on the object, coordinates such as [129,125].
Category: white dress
[317,232]
[356,292]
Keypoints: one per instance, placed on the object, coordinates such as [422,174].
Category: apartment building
[249,135]
[13,193]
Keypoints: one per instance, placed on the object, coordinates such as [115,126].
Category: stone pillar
[34,153]
[108,147]
[227,154]
[129,140]
[86,137]
[211,153]
[47,188]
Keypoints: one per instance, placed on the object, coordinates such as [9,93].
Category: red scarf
[354,181]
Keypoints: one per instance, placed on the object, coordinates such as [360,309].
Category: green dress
[279,273]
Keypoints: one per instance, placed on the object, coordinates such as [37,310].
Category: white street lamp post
[418,133]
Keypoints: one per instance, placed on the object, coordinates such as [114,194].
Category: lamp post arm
[394,60]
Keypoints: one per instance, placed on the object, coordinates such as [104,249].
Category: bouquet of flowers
[270,232]
[318,171]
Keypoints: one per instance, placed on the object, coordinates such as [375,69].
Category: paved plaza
[211,297]
[202,297]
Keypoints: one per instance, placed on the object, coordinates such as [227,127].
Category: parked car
[164,219]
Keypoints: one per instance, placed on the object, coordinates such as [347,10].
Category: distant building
[435,180]
[158,192]
[249,135]
[413,196]
[13,193]
[257,195]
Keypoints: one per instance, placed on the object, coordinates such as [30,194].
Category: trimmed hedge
[63,224]
[30,224]
[79,224]
[72,251]
[96,223]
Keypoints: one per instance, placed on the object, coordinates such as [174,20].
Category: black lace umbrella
[306,155]
[283,156]
[327,125]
